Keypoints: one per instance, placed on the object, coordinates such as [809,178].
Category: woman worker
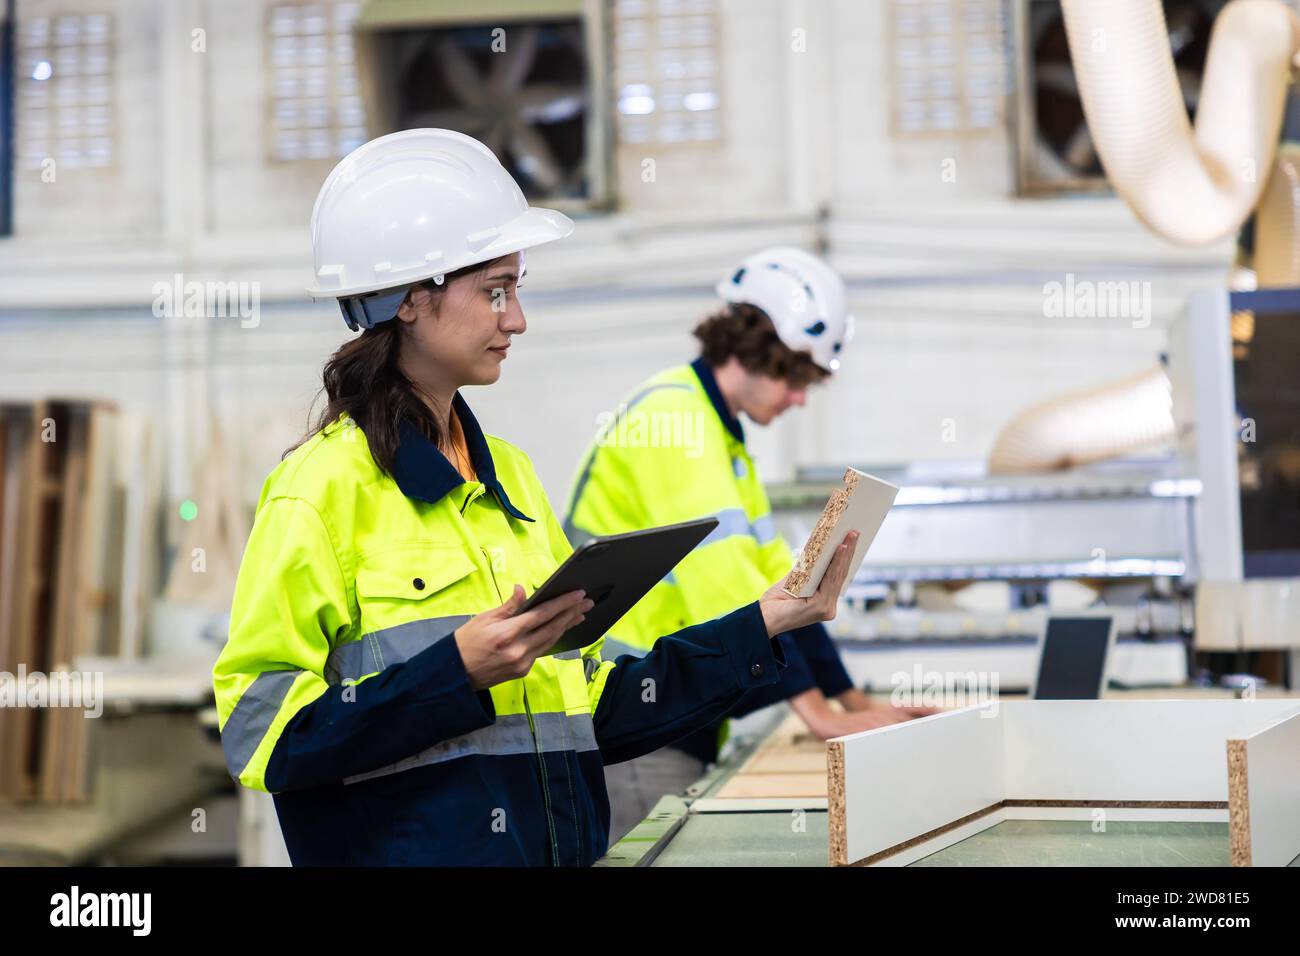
[377,678]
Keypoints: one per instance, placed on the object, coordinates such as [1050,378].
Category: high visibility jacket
[342,691]
[674,452]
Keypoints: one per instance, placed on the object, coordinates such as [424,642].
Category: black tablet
[616,571]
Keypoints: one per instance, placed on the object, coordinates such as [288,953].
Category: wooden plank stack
[62,507]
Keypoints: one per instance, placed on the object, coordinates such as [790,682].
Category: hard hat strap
[367,311]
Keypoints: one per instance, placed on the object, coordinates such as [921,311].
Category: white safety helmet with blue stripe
[803,296]
[410,207]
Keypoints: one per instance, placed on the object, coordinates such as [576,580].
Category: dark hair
[746,332]
[364,380]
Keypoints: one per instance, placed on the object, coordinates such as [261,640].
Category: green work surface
[1074,843]
[783,838]
[779,838]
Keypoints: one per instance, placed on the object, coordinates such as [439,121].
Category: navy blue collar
[422,471]
[710,383]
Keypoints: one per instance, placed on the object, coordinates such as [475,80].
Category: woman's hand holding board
[782,611]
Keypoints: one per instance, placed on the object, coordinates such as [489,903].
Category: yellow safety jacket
[672,451]
[667,455]
[341,688]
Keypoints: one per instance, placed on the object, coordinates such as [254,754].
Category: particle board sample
[861,506]
[1238,804]
[1264,795]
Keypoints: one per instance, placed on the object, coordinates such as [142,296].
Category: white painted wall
[946,277]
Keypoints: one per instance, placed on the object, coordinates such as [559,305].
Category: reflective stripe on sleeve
[252,717]
[509,734]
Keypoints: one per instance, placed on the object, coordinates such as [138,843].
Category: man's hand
[854,700]
[783,612]
[826,721]
[501,645]
[919,711]
[871,718]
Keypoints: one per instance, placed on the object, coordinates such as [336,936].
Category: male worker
[676,451]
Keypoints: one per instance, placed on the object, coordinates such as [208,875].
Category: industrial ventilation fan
[1055,153]
[520,87]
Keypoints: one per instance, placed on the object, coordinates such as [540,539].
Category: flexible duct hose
[1188,187]
[1277,223]
[1085,426]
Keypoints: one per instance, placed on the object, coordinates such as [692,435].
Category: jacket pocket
[413,582]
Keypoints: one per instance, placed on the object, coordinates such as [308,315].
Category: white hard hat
[803,296]
[413,206]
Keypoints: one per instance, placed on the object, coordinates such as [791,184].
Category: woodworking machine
[1199,549]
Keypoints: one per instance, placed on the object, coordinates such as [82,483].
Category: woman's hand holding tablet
[501,644]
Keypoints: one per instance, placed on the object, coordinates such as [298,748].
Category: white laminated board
[924,759]
[923,785]
[1264,795]
[1130,750]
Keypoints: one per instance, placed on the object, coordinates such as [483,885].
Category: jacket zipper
[546,790]
[537,744]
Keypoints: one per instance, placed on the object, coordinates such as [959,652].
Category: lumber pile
[77,570]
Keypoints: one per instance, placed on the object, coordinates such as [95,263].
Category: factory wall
[946,272]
